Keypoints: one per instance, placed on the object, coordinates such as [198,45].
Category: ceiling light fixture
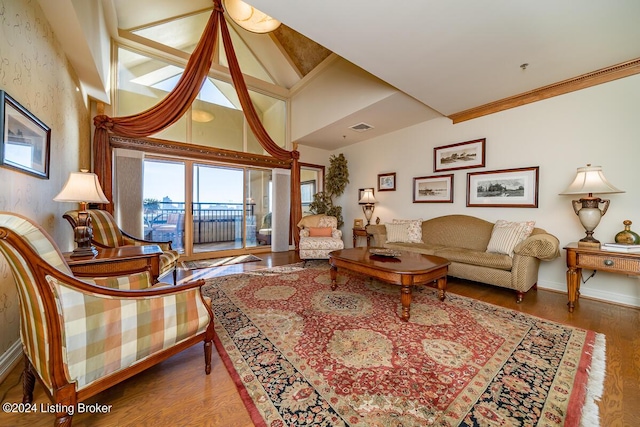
[250,18]
[202,116]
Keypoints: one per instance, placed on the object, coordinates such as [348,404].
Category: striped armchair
[107,234]
[80,337]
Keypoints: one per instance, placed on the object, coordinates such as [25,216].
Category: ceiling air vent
[361,127]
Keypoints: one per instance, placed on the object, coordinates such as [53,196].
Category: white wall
[598,125]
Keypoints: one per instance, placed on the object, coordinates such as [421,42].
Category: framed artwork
[514,188]
[387,182]
[25,139]
[463,155]
[358,223]
[433,189]
[361,193]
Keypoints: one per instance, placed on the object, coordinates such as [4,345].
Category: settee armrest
[379,233]
[543,246]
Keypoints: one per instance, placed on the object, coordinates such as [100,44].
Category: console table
[360,232]
[117,261]
[596,259]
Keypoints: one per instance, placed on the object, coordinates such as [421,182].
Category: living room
[597,125]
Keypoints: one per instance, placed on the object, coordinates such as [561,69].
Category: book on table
[620,247]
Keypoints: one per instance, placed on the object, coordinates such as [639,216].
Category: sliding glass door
[226,208]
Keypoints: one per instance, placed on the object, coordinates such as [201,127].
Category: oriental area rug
[303,355]
[218,262]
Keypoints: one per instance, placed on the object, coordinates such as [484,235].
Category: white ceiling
[453,55]
[450,55]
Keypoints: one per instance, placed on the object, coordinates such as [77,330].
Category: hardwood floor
[177,392]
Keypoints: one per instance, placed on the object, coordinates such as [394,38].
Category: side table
[360,232]
[117,262]
[596,259]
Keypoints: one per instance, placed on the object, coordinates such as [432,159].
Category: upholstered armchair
[319,235]
[81,337]
[107,234]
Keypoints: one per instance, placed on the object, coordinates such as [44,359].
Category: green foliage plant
[335,183]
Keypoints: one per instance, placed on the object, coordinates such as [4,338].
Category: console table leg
[405,298]
[573,278]
[334,275]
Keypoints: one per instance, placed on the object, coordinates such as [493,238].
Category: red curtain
[176,104]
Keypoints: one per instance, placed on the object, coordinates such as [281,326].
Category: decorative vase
[627,236]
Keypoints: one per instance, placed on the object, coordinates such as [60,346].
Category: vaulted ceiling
[450,56]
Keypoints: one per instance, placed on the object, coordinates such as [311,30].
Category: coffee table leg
[442,286]
[334,275]
[405,298]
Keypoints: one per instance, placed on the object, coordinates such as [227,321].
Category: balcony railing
[212,222]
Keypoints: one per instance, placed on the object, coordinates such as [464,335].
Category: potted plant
[335,183]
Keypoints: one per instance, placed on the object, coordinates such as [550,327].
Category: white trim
[597,294]
[9,359]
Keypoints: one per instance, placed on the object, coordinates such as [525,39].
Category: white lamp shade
[82,187]
[250,18]
[590,179]
[367,197]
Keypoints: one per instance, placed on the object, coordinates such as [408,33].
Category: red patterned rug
[303,355]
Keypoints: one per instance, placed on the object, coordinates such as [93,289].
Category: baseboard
[10,359]
[596,294]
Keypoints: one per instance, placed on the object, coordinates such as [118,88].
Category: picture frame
[26,140]
[513,188]
[358,223]
[387,181]
[463,155]
[361,193]
[433,189]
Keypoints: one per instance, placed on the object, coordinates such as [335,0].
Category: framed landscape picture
[463,155]
[515,188]
[387,182]
[25,139]
[433,189]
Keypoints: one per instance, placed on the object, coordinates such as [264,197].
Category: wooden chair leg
[28,381]
[207,356]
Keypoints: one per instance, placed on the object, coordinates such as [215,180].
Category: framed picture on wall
[463,155]
[387,182]
[514,188]
[25,139]
[433,189]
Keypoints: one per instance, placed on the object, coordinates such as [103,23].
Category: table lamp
[368,202]
[82,187]
[589,180]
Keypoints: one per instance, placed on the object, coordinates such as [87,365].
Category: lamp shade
[367,197]
[590,179]
[82,187]
[250,18]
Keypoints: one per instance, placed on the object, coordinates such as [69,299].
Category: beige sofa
[463,240]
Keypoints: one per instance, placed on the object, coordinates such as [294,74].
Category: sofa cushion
[320,231]
[480,258]
[421,248]
[397,233]
[506,235]
[415,229]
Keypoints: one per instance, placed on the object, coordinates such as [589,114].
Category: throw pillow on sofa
[397,233]
[320,231]
[415,229]
[506,235]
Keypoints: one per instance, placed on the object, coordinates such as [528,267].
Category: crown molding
[584,81]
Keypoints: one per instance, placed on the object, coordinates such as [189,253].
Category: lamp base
[83,233]
[589,244]
[84,252]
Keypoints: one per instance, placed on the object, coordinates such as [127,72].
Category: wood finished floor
[178,393]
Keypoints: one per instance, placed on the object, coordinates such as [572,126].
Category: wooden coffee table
[405,270]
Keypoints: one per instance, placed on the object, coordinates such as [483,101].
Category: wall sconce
[368,202]
[82,187]
[589,180]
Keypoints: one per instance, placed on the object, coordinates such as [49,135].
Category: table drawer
[611,263]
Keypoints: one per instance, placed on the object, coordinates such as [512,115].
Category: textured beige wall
[34,70]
